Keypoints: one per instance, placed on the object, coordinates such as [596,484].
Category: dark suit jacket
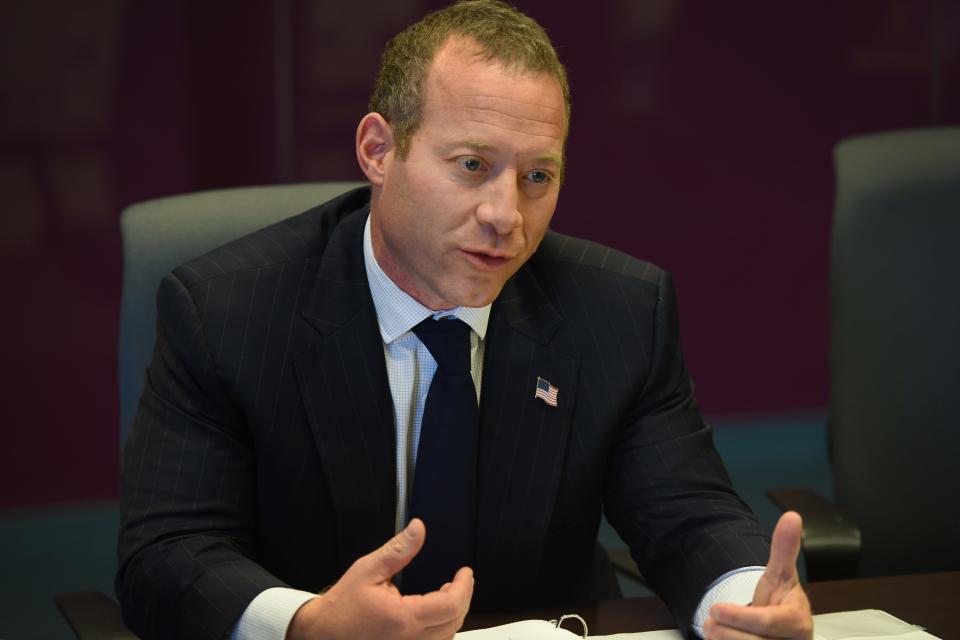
[263,450]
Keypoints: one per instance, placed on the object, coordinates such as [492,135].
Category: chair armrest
[830,540]
[93,616]
[623,562]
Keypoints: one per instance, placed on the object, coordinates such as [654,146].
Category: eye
[470,163]
[539,177]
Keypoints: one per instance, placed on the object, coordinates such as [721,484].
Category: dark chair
[157,236]
[894,431]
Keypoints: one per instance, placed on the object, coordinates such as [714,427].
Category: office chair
[159,235]
[894,430]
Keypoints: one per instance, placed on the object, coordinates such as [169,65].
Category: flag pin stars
[546,392]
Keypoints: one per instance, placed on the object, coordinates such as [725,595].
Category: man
[289,425]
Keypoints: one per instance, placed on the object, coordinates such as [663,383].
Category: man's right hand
[364,603]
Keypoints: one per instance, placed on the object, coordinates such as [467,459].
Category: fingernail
[411,532]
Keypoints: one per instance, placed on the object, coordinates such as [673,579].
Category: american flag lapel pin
[546,392]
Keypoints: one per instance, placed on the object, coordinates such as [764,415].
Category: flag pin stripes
[546,392]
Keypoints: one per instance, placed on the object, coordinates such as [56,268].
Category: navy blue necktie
[445,477]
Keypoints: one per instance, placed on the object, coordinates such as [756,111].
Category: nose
[498,208]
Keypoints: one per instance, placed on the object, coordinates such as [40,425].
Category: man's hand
[364,603]
[780,608]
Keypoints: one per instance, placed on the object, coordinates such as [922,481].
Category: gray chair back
[895,347]
[159,235]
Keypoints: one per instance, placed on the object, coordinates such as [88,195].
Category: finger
[783,621]
[785,546]
[713,630]
[380,565]
[442,631]
[446,586]
[440,607]
[780,575]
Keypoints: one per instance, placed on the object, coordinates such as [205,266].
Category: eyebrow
[472,144]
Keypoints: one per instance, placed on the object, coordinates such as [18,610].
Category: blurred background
[701,140]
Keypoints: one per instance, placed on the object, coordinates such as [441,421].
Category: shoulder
[562,258]
[302,238]
[591,285]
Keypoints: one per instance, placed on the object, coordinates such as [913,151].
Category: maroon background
[701,139]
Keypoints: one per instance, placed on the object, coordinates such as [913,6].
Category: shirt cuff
[268,616]
[734,587]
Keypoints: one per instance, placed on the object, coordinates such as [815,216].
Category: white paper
[665,634]
[523,630]
[867,624]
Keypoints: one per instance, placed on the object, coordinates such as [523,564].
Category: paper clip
[571,616]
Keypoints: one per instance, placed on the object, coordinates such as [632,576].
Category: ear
[374,144]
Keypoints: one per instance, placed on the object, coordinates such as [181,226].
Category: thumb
[380,565]
[781,572]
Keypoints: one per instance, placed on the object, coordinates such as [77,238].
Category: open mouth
[486,261]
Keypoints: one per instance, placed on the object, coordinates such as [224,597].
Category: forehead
[464,89]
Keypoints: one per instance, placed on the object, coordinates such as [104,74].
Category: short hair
[504,34]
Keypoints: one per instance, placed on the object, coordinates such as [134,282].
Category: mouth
[487,261]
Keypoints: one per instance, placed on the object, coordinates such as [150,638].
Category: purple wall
[701,140]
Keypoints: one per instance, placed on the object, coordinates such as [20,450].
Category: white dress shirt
[410,368]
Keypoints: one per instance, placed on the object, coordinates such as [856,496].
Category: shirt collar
[397,311]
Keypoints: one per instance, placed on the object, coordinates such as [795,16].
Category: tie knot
[448,341]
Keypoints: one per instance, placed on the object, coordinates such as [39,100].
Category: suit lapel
[343,381]
[523,440]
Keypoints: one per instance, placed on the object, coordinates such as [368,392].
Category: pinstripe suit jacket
[263,449]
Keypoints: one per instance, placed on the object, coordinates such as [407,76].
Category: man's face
[474,196]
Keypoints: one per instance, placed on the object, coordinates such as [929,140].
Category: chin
[479,298]
[472,291]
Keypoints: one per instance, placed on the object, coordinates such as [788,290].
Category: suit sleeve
[666,490]
[187,491]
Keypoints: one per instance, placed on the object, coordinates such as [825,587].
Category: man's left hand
[780,608]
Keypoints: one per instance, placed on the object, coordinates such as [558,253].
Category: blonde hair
[504,35]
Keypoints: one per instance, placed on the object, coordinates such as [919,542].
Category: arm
[666,490]
[187,491]
[187,546]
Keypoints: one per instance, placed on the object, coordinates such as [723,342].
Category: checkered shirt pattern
[410,367]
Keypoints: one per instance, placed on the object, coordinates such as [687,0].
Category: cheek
[537,219]
[433,202]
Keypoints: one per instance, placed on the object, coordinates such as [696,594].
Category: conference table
[931,600]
